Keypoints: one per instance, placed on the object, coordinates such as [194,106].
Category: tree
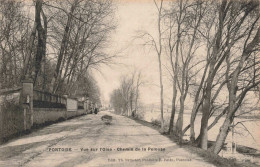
[116,101]
[86,86]
[64,44]
[139,82]
[30,43]
[158,47]
[13,37]
[237,80]
[41,37]
[83,40]
[228,34]
[122,97]
[207,21]
[184,39]
[187,71]
[125,99]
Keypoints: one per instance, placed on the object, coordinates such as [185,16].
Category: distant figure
[96,110]
[107,119]
[134,113]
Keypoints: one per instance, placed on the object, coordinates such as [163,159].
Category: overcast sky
[132,17]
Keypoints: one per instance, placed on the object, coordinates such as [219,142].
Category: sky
[132,17]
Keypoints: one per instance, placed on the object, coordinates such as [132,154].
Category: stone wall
[43,115]
[11,113]
[81,112]
[71,114]
[11,119]
[18,113]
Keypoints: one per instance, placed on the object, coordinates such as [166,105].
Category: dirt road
[87,142]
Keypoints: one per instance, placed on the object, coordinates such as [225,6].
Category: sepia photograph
[129,83]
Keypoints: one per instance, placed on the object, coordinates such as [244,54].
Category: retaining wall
[21,108]
[12,116]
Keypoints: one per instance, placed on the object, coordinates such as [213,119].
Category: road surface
[87,142]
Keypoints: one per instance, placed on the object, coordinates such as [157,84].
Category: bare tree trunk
[179,123]
[212,72]
[195,107]
[138,83]
[185,79]
[161,95]
[224,129]
[232,88]
[206,112]
[42,35]
[175,67]
[29,52]
[170,131]
[159,54]
[174,96]
[63,47]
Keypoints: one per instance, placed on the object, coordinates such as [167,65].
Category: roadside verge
[206,155]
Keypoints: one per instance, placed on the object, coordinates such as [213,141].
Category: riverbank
[206,155]
[245,129]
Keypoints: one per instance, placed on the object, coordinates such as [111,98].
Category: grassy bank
[206,155]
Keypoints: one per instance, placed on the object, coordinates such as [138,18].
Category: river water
[247,134]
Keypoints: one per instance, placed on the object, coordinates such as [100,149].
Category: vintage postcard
[123,83]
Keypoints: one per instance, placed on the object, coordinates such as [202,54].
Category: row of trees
[212,52]
[125,99]
[56,43]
